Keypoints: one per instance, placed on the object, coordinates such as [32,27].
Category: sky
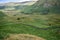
[5,1]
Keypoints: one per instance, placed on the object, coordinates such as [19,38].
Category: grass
[11,25]
[13,28]
[35,20]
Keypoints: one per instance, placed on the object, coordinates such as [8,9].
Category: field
[28,24]
[39,21]
[13,28]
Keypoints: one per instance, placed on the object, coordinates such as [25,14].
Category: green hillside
[17,7]
[12,28]
[44,6]
[10,25]
[30,21]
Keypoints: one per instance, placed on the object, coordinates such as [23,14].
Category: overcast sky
[4,1]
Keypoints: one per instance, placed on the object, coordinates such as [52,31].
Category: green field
[14,28]
[33,25]
[41,19]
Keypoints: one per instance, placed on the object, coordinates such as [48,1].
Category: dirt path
[23,37]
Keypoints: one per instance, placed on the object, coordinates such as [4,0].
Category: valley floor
[29,24]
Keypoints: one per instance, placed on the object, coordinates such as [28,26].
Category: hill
[15,5]
[44,6]
[13,22]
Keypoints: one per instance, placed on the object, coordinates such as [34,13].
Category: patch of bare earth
[23,37]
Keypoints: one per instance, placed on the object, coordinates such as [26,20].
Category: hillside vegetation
[31,21]
[44,7]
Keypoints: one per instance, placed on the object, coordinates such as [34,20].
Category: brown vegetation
[23,37]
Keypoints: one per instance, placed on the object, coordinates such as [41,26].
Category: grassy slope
[7,27]
[18,28]
[35,20]
[12,28]
[38,7]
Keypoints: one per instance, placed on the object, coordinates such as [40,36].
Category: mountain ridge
[19,3]
[44,6]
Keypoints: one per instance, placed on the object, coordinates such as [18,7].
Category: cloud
[24,0]
[13,1]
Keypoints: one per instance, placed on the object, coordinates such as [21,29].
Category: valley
[30,21]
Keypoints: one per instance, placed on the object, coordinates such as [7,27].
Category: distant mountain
[44,6]
[2,7]
[16,5]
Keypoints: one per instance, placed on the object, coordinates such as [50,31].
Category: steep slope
[44,6]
